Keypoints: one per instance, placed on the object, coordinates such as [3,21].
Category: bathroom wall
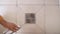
[31,6]
[47,15]
[52,20]
[52,17]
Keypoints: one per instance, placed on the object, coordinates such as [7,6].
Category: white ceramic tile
[3,2]
[51,2]
[30,1]
[52,19]
[28,33]
[59,18]
[31,9]
[9,13]
[52,33]
[59,2]
[27,9]
[40,19]
[59,6]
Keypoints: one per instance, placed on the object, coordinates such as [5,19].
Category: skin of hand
[11,26]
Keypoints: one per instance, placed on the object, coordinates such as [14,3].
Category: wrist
[3,22]
[1,19]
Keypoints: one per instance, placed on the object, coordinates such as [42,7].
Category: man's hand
[11,26]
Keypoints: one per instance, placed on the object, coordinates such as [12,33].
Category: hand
[11,26]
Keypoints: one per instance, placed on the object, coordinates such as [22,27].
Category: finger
[15,29]
[15,25]
[12,28]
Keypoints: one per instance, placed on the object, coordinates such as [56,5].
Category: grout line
[45,19]
[45,15]
[58,3]
[29,4]
[38,4]
[39,9]
[16,13]
[16,3]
